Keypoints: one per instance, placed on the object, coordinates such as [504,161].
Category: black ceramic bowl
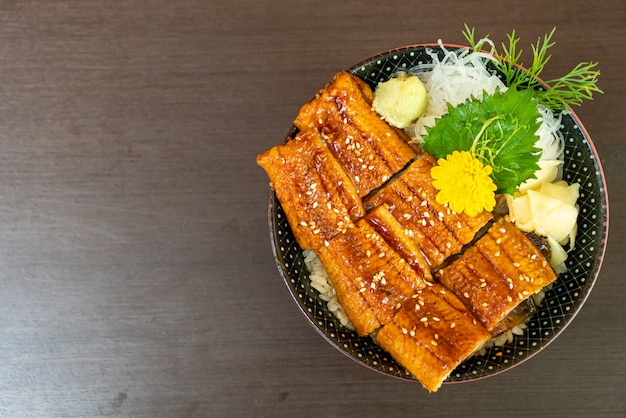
[561,303]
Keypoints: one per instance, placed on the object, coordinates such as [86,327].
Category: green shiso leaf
[499,131]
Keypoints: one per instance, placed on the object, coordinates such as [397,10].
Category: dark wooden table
[136,276]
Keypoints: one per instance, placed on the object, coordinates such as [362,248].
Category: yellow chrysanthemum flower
[464,183]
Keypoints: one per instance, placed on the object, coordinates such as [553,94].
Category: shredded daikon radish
[459,76]
[452,80]
[551,139]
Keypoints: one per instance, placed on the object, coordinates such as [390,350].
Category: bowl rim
[593,273]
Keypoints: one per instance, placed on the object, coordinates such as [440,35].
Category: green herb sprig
[571,89]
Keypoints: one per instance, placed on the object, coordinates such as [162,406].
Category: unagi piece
[431,335]
[502,269]
[369,149]
[393,233]
[437,230]
[317,196]
[372,281]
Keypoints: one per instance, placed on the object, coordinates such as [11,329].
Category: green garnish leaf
[571,89]
[499,130]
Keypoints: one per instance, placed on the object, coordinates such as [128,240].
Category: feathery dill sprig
[571,89]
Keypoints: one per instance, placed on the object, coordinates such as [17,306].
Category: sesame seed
[433,342]
[357,179]
[320,121]
[412,333]
[381,255]
[483,284]
[326,243]
[436,319]
[516,264]
[436,336]
[509,298]
[409,198]
[452,325]
[424,203]
[423,222]
[363,289]
[315,204]
[398,305]
[423,319]
[316,231]
[503,230]
[544,263]
[485,304]
[406,216]
[497,254]
[499,241]
[405,331]
[466,295]
[459,225]
[303,223]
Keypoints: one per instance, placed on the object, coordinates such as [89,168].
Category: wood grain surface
[136,275]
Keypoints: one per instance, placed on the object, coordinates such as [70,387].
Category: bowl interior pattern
[561,302]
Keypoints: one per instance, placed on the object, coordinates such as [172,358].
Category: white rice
[321,282]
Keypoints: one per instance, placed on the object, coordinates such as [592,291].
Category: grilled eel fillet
[501,270]
[380,261]
[438,231]
[392,232]
[369,149]
[431,335]
[372,281]
[315,192]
